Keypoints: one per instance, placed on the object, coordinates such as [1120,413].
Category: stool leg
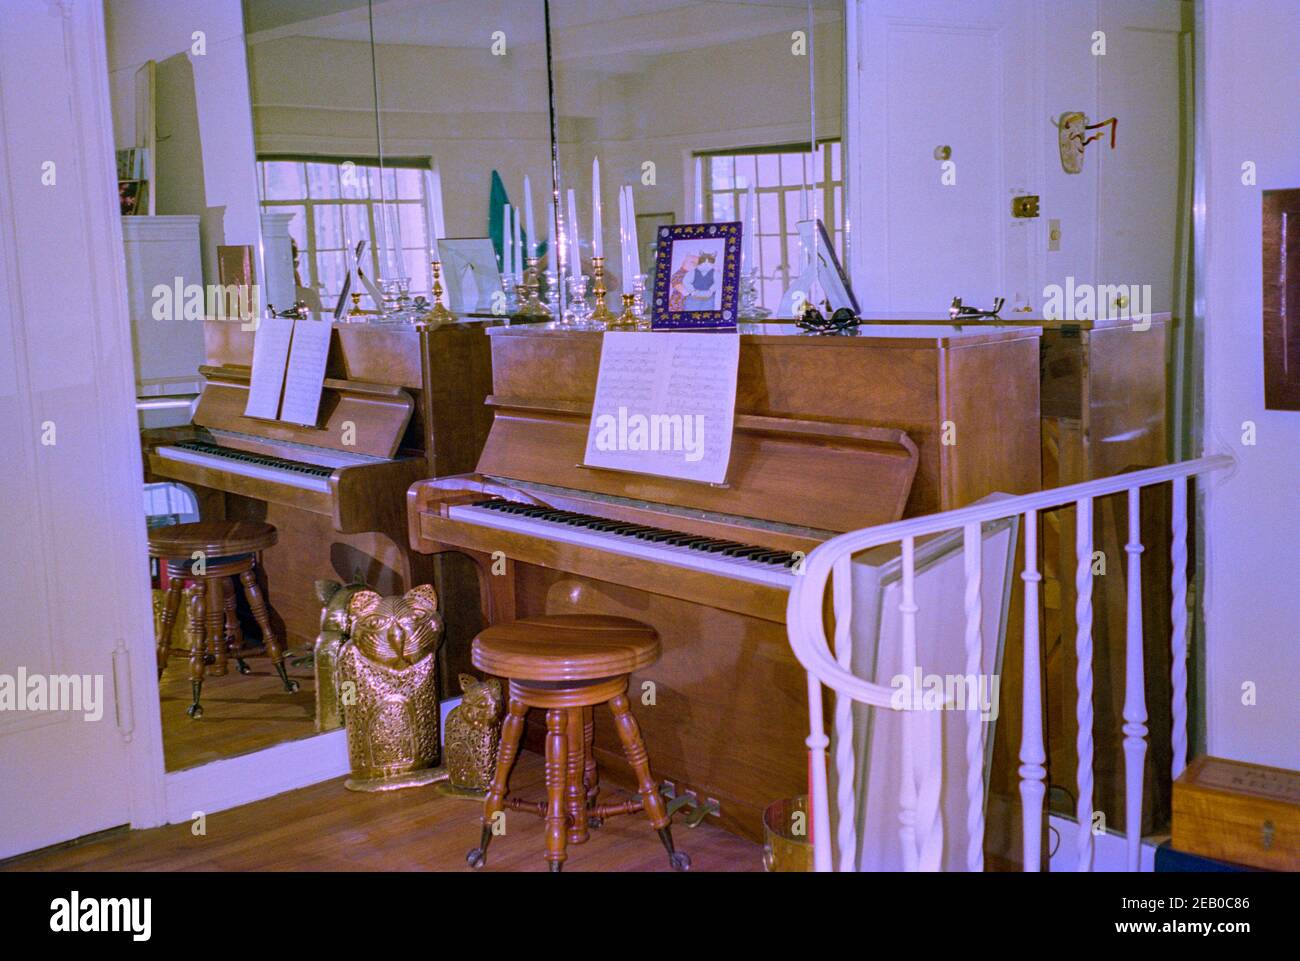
[589,736]
[234,633]
[575,793]
[556,768]
[630,734]
[258,604]
[512,731]
[171,604]
[194,634]
[216,624]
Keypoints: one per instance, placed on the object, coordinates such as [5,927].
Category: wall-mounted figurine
[391,711]
[473,734]
[335,626]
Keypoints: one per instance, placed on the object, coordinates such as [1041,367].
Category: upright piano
[831,434]
[399,403]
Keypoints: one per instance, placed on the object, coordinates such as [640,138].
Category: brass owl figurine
[335,624]
[473,734]
[389,688]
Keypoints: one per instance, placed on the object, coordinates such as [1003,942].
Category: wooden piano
[399,403]
[831,434]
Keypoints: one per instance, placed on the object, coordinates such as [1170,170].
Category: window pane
[794,206]
[331,269]
[791,168]
[353,182]
[724,206]
[745,174]
[417,269]
[835,161]
[409,186]
[769,169]
[329,227]
[722,170]
[412,223]
[769,213]
[297,226]
[282,180]
[772,258]
[323,180]
[356,224]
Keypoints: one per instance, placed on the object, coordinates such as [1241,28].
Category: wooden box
[1244,813]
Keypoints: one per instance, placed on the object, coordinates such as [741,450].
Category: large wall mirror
[708,110]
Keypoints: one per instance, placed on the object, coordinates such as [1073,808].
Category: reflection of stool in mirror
[210,555]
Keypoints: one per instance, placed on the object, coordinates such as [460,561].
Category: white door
[938,147]
[74,591]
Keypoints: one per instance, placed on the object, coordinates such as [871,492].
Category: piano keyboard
[248,464]
[744,561]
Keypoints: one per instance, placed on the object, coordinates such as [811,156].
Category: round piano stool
[229,551]
[566,665]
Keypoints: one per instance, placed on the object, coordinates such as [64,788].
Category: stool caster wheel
[476,858]
[290,684]
[594,823]
[242,666]
[556,866]
[680,861]
[195,711]
[292,687]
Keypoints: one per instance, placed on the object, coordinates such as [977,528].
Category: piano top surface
[876,335]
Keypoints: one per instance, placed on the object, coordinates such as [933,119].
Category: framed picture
[697,277]
[469,272]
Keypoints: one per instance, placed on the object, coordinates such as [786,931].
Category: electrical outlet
[1053,234]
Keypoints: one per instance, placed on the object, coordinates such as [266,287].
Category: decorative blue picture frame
[697,277]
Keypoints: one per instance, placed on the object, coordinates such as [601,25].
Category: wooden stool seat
[213,538]
[211,555]
[566,665]
[565,647]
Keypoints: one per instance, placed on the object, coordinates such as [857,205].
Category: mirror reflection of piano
[831,434]
[399,403]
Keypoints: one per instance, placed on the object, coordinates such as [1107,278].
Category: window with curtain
[338,203]
[779,174]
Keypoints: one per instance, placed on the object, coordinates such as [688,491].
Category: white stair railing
[920,753]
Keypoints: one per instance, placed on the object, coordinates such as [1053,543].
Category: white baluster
[1178,617]
[818,799]
[1083,675]
[907,792]
[972,555]
[1032,756]
[929,816]
[846,813]
[1135,702]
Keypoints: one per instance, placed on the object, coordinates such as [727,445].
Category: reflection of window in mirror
[780,174]
[338,203]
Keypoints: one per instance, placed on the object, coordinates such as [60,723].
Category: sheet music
[665,404]
[270,352]
[306,372]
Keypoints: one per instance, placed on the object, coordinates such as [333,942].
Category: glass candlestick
[531,305]
[750,307]
[579,312]
[510,305]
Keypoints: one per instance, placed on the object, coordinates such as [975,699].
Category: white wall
[1253,520]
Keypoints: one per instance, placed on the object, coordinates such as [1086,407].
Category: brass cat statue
[388,683]
[472,736]
[335,626]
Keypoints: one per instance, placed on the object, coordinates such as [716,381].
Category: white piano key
[735,567]
[244,469]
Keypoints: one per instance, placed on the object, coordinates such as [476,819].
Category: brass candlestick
[532,305]
[627,319]
[600,314]
[356,310]
[438,314]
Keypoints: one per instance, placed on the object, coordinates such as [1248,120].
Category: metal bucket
[787,840]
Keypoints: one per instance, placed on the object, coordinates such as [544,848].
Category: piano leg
[273,647]
[630,735]
[171,604]
[512,731]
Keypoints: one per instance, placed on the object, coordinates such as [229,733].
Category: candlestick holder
[600,314]
[627,320]
[579,312]
[438,313]
[638,303]
[750,308]
[510,303]
[530,304]
[356,310]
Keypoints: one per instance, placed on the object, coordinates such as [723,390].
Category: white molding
[228,783]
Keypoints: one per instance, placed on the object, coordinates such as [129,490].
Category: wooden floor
[241,712]
[329,828]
